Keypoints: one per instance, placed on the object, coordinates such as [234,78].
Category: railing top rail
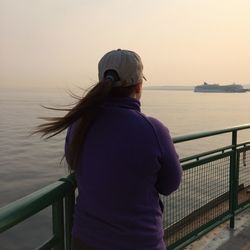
[189,137]
[23,208]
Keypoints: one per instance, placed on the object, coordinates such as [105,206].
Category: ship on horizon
[216,88]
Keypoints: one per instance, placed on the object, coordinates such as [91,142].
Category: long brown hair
[82,114]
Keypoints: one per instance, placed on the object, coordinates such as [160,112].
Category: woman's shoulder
[156,124]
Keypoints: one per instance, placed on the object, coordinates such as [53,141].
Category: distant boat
[216,88]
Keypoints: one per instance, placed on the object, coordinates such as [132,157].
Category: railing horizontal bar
[243,207]
[190,137]
[246,143]
[205,160]
[48,244]
[194,157]
[188,239]
[243,149]
[21,209]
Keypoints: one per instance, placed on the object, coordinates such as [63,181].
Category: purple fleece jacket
[128,159]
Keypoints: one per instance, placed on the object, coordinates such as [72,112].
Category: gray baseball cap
[126,63]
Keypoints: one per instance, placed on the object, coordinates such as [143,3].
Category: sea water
[28,163]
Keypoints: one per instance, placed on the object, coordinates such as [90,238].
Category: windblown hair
[82,114]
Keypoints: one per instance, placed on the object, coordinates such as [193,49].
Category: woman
[122,160]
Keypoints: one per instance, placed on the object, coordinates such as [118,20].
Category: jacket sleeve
[170,173]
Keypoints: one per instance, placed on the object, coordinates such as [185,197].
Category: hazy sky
[59,42]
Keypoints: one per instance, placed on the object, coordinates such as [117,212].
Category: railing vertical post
[69,205]
[233,180]
[69,210]
[58,224]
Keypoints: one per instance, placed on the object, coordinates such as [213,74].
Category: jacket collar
[123,102]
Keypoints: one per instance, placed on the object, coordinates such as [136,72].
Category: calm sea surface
[28,163]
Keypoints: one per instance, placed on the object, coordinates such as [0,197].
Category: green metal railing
[215,188]
[61,196]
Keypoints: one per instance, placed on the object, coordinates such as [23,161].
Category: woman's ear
[138,88]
